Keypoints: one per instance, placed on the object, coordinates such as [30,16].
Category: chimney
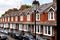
[54,1]
[23,7]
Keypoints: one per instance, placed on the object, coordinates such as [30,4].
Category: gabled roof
[30,10]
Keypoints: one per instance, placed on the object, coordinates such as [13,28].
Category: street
[10,38]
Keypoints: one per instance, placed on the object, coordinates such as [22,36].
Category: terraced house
[46,20]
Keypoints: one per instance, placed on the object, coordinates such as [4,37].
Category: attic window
[51,14]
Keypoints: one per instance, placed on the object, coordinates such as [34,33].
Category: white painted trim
[20,27]
[37,29]
[50,8]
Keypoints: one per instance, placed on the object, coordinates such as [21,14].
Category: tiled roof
[30,10]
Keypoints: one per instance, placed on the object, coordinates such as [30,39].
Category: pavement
[10,38]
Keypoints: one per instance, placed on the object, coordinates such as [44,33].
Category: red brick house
[46,20]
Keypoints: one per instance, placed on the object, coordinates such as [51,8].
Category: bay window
[20,27]
[38,29]
[47,30]
[25,27]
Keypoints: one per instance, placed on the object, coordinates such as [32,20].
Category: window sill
[47,34]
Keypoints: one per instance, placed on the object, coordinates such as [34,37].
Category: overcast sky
[9,4]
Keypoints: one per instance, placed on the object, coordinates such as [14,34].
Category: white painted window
[14,26]
[21,18]
[38,29]
[28,17]
[37,17]
[11,18]
[51,16]
[6,25]
[25,27]
[47,30]
[8,19]
[16,18]
[20,27]
[11,26]
[1,25]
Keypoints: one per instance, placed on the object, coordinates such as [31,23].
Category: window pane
[45,30]
[38,28]
[41,28]
[37,16]
[48,29]
[51,15]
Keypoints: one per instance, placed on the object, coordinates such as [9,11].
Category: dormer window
[28,17]
[37,16]
[21,18]
[51,14]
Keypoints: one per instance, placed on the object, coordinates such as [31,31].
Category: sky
[10,4]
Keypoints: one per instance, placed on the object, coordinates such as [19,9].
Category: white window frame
[8,19]
[37,18]
[47,31]
[6,25]
[11,18]
[11,25]
[20,27]
[49,14]
[25,27]
[21,18]
[14,26]
[28,17]
[37,29]
[16,18]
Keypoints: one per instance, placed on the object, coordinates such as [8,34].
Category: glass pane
[51,15]
[38,28]
[48,29]
[45,30]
